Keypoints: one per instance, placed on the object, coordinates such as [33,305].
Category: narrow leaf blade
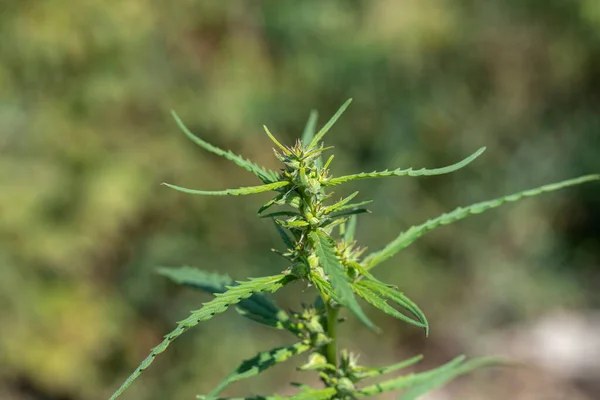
[370,372]
[375,300]
[350,228]
[325,250]
[406,172]
[411,380]
[218,305]
[339,204]
[415,232]
[397,297]
[209,282]
[259,363]
[274,140]
[284,236]
[444,376]
[263,174]
[315,141]
[310,128]
[230,192]
[257,307]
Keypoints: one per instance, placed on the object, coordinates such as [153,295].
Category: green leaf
[314,394]
[269,203]
[385,291]
[231,192]
[405,172]
[291,198]
[350,229]
[209,282]
[375,300]
[309,134]
[410,380]
[274,140]
[284,236]
[219,304]
[310,128]
[257,307]
[324,287]
[259,363]
[370,372]
[315,141]
[339,204]
[292,223]
[325,250]
[263,174]
[329,160]
[415,232]
[349,212]
[306,394]
[362,271]
[354,205]
[427,381]
[281,214]
[274,397]
[277,321]
[446,375]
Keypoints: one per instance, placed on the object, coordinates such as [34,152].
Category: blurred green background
[86,138]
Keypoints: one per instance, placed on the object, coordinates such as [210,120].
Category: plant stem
[332,319]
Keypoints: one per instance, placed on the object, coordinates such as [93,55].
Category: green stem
[332,320]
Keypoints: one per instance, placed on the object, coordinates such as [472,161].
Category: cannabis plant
[318,236]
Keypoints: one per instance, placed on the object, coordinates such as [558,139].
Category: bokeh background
[86,138]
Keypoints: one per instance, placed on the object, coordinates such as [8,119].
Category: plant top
[318,235]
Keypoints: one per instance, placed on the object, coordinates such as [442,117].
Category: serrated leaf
[299,223]
[263,174]
[284,236]
[405,172]
[444,376]
[375,300]
[415,232]
[269,203]
[325,249]
[209,282]
[349,212]
[383,290]
[281,214]
[362,271]
[259,363]
[314,394]
[371,372]
[424,382]
[257,307]
[291,198]
[231,192]
[279,321]
[315,141]
[410,380]
[324,287]
[353,205]
[219,304]
[307,394]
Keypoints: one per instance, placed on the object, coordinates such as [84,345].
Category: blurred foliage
[86,138]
